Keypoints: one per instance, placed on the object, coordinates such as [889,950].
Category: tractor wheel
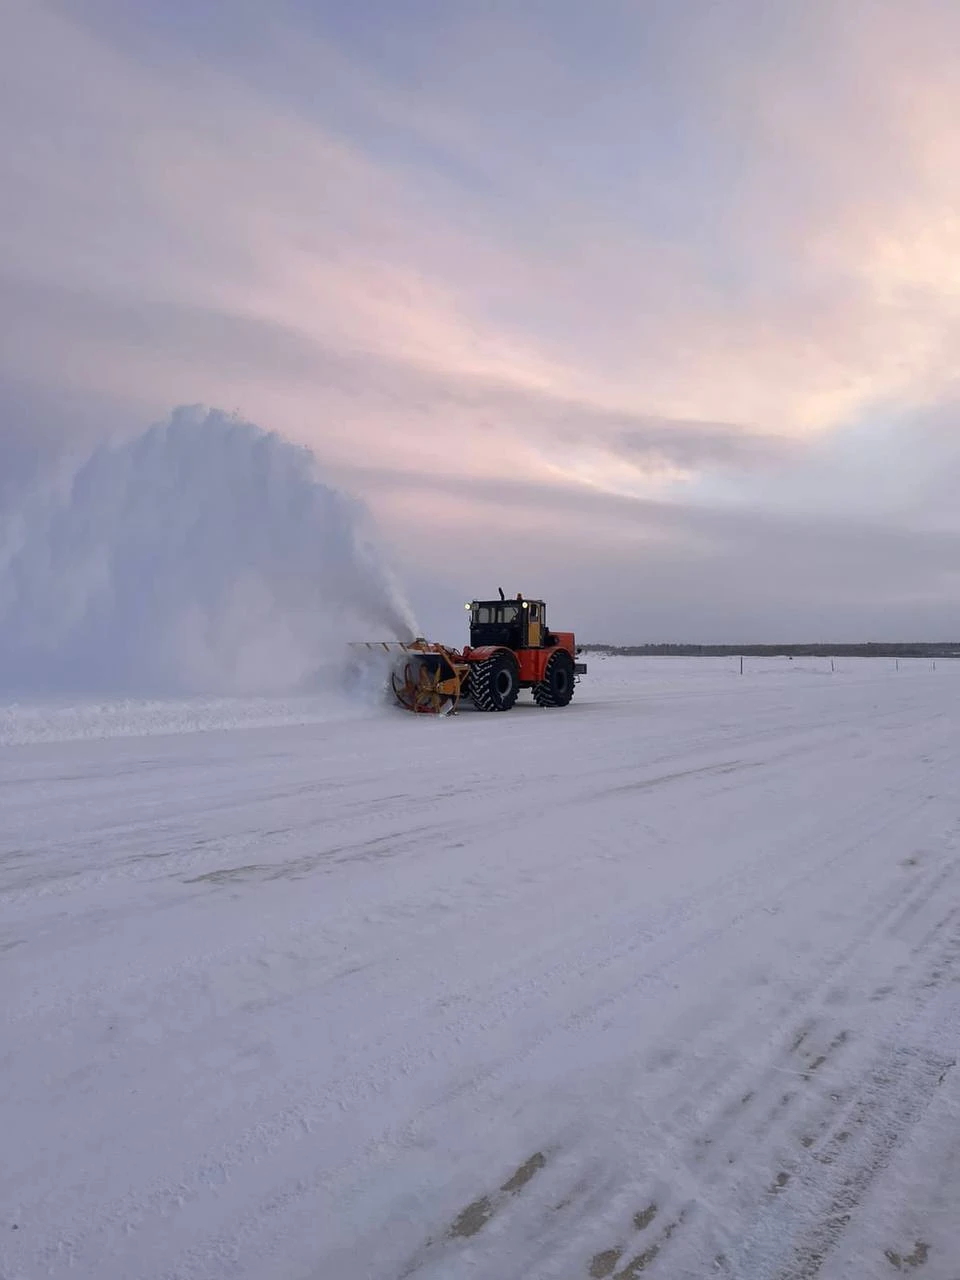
[556,687]
[495,683]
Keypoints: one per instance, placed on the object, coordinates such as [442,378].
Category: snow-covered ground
[666,983]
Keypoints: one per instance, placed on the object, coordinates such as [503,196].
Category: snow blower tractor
[511,648]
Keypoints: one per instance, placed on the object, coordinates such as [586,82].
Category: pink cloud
[206,201]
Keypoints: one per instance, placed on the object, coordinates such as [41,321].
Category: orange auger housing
[511,648]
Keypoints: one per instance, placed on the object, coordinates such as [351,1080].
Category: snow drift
[204,556]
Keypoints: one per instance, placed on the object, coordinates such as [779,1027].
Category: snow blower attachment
[511,648]
[426,678]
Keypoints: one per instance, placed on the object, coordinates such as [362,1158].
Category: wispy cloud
[711,265]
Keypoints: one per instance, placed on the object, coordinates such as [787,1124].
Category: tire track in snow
[811,1056]
[849,1118]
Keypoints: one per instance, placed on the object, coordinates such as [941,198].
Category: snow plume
[203,556]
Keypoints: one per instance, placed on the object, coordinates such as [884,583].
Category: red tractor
[511,648]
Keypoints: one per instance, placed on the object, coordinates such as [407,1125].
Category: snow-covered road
[666,984]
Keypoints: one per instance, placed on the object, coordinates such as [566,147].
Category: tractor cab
[516,623]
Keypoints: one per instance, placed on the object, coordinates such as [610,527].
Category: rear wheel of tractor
[495,683]
[556,687]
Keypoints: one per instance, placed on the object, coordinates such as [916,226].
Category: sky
[649,309]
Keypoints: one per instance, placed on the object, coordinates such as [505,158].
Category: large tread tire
[556,687]
[495,682]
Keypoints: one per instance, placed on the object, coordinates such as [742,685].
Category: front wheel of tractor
[495,682]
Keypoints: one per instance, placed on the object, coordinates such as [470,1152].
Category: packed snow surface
[665,983]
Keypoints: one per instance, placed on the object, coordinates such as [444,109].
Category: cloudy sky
[649,308]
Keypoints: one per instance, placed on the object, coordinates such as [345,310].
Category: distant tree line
[868,649]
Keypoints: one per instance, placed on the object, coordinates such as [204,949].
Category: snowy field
[664,984]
